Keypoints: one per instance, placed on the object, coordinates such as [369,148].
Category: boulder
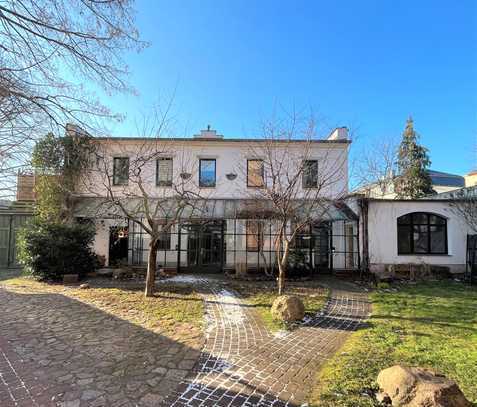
[84,286]
[417,387]
[288,308]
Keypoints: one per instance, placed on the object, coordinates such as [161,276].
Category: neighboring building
[471,179]
[441,182]
[229,232]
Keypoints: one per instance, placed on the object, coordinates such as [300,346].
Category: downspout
[364,206]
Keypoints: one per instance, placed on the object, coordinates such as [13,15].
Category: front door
[321,247]
[118,246]
[205,246]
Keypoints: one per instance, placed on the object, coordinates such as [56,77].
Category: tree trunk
[282,267]
[151,269]
[281,279]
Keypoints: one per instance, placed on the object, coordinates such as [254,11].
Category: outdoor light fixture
[231,176]
[186,175]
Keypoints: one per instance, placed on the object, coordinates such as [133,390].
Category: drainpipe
[364,206]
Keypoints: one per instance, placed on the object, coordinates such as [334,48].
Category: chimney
[25,187]
[340,133]
[208,134]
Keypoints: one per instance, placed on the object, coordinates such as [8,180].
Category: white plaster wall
[231,157]
[383,234]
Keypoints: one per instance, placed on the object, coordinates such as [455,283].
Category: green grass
[430,325]
[261,294]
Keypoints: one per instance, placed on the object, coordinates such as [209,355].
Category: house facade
[228,225]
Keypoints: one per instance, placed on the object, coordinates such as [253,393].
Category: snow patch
[232,311]
[183,278]
[281,334]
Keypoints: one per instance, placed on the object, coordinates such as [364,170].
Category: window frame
[167,183]
[428,225]
[200,173]
[263,173]
[115,183]
[304,175]
[259,236]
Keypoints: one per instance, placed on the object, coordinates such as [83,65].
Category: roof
[99,208]
[223,140]
[446,179]
[456,194]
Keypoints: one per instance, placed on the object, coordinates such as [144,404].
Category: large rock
[288,308]
[417,387]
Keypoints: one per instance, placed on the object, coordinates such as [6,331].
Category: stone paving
[243,365]
[56,351]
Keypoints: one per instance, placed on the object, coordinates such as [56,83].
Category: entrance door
[321,238]
[118,245]
[205,246]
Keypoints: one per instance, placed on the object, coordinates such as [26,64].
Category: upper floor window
[310,174]
[255,173]
[254,233]
[207,174]
[422,233]
[120,170]
[164,172]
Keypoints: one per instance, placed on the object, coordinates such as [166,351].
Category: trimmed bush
[50,250]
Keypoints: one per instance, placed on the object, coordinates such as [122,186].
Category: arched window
[422,233]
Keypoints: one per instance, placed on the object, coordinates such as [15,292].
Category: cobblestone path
[57,351]
[243,365]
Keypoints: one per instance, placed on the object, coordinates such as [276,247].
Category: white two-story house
[222,230]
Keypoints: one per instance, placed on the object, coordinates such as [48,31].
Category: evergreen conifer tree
[413,180]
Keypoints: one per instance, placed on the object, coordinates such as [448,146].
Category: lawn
[430,324]
[261,294]
[175,311]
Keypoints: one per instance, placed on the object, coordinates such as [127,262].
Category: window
[120,170]
[254,234]
[255,173]
[310,174]
[164,241]
[422,233]
[164,172]
[207,173]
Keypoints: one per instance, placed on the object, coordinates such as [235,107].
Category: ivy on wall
[58,163]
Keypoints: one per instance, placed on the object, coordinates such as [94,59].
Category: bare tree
[464,204]
[290,184]
[374,166]
[130,188]
[48,48]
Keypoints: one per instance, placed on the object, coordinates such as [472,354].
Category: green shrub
[50,250]
[383,285]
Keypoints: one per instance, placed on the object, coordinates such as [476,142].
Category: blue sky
[362,64]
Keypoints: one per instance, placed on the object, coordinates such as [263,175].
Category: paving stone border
[244,365]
